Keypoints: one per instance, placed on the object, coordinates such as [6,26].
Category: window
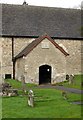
[7,76]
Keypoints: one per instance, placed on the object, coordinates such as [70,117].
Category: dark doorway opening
[7,76]
[44,74]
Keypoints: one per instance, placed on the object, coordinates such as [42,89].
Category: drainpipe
[14,69]
[13,58]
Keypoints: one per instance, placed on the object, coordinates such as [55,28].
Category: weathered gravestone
[7,90]
[64,95]
[23,83]
[31,98]
[71,80]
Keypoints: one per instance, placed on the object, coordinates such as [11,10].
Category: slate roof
[27,49]
[26,20]
[34,43]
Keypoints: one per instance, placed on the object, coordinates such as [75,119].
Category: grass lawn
[78,79]
[0,108]
[48,104]
[77,82]
[17,84]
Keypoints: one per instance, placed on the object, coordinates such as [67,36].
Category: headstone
[8,91]
[31,98]
[23,83]
[5,87]
[71,80]
[64,95]
[12,92]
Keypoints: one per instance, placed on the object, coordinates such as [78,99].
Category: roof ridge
[27,5]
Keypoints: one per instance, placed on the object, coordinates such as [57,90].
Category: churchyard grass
[18,84]
[0,108]
[49,103]
[77,82]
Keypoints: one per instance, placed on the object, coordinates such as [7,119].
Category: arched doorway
[44,74]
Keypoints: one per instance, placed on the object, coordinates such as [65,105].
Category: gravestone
[23,83]
[12,92]
[8,91]
[5,88]
[31,98]
[64,95]
[71,80]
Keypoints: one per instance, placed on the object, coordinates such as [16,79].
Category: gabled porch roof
[32,45]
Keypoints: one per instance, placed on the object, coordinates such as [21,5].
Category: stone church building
[43,44]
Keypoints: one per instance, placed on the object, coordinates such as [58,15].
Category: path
[72,90]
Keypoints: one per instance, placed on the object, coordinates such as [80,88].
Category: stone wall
[20,44]
[0,60]
[82,57]
[73,63]
[6,56]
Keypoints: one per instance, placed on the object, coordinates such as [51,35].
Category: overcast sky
[50,3]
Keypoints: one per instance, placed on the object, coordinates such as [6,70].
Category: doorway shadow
[44,74]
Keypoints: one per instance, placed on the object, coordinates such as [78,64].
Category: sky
[50,3]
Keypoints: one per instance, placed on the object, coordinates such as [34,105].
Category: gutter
[53,37]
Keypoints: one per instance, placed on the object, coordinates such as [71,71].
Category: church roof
[34,43]
[26,20]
